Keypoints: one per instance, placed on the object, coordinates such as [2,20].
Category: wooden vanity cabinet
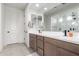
[32,41]
[49,49]
[46,46]
[40,45]
[54,47]
[63,52]
[40,51]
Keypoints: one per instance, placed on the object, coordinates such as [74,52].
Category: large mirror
[67,20]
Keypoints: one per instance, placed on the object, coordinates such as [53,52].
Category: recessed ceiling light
[45,8]
[60,20]
[37,5]
[55,7]
[63,3]
[69,18]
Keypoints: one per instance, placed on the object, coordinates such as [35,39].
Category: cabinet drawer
[56,42]
[50,40]
[50,50]
[40,44]
[40,51]
[33,44]
[32,35]
[39,37]
[32,41]
[63,52]
[73,48]
[65,45]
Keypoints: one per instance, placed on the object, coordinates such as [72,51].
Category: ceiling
[61,8]
[51,7]
[32,6]
[42,6]
[17,5]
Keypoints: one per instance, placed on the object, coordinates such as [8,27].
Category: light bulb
[60,20]
[37,5]
[45,8]
[69,18]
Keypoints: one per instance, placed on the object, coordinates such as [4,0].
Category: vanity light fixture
[45,8]
[37,5]
[69,18]
[60,20]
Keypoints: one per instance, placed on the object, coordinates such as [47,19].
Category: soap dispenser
[65,32]
[70,33]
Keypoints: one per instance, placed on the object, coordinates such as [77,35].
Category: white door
[12,29]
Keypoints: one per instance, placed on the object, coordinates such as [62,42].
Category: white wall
[26,26]
[14,22]
[1,45]
[3,22]
[28,13]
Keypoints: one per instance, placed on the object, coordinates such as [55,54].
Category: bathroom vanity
[52,41]
[48,45]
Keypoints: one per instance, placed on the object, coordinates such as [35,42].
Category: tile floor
[17,50]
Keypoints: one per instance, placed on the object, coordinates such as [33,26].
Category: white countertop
[59,36]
